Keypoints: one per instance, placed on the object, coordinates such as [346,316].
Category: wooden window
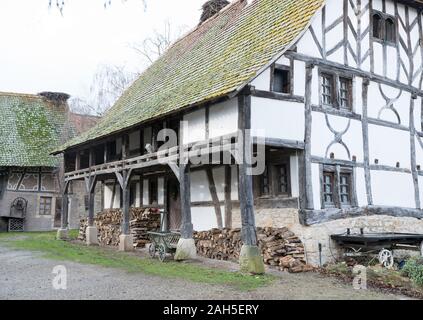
[328,188]
[133,194]
[345,188]
[265,182]
[282,175]
[337,189]
[345,93]
[377,26]
[153,190]
[281,80]
[45,206]
[390,30]
[328,89]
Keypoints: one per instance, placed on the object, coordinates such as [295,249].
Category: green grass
[75,252]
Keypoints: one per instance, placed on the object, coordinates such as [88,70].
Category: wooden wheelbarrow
[163,243]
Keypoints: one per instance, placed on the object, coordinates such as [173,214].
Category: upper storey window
[281,80]
[384,28]
[336,91]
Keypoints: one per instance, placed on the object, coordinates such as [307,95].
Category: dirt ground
[27,275]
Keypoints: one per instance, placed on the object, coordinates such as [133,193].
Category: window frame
[273,180]
[337,171]
[382,28]
[42,212]
[282,67]
[151,182]
[336,88]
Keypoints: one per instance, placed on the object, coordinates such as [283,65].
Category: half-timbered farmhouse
[329,91]
[30,127]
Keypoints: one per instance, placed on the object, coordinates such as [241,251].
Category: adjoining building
[332,93]
[31,126]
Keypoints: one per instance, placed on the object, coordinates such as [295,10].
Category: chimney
[212,7]
[57,97]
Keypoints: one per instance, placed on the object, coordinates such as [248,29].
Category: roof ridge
[18,94]
[200,25]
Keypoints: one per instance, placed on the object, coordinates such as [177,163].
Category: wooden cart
[163,243]
[380,245]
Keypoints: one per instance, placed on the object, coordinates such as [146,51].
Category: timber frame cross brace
[90,183]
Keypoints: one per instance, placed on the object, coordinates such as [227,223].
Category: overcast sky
[42,51]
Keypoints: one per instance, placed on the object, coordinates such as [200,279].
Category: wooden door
[174,204]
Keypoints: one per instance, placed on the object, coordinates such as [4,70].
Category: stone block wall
[312,236]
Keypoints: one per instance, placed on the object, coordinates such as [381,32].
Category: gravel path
[27,275]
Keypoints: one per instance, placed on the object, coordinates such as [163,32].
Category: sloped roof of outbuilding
[31,126]
[214,60]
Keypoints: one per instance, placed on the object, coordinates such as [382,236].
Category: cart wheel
[152,250]
[162,253]
[386,258]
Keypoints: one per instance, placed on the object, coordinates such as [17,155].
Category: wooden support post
[125,203]
[91,232]
[126,241]
[228,200]
[62,233]
[186,245]
[250,260]
[309,203]
[214,196]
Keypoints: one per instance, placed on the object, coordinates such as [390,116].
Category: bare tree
[60,4]
[151,48]
[108,84]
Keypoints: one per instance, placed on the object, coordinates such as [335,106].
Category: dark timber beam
[62,233]
[228,200]
[214,196]
[186,248]
[250,259]
[126,241]
[91,232]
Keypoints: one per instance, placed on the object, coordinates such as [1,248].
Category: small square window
[45,206]
[282,81]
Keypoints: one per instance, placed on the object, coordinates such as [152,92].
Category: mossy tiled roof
[215,59]
[30,127]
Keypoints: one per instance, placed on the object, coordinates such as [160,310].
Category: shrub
[413,269]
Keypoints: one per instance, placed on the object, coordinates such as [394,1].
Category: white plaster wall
[419,152]
[315,179]
[160,191]
[299,78]
[393,189]
[262,82]
[223,118]
[322,137]
[196,126]
[108,193]
[199,187]
[360,186]
[295,185]
[421,191]
[204,218]
[389,146]
[145,199]
[277,119]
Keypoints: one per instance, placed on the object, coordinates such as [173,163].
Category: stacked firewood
[109,223]
[280,247]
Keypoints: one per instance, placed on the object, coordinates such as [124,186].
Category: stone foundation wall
[311,236]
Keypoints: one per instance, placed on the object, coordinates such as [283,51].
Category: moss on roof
[30,127]
[215,59]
